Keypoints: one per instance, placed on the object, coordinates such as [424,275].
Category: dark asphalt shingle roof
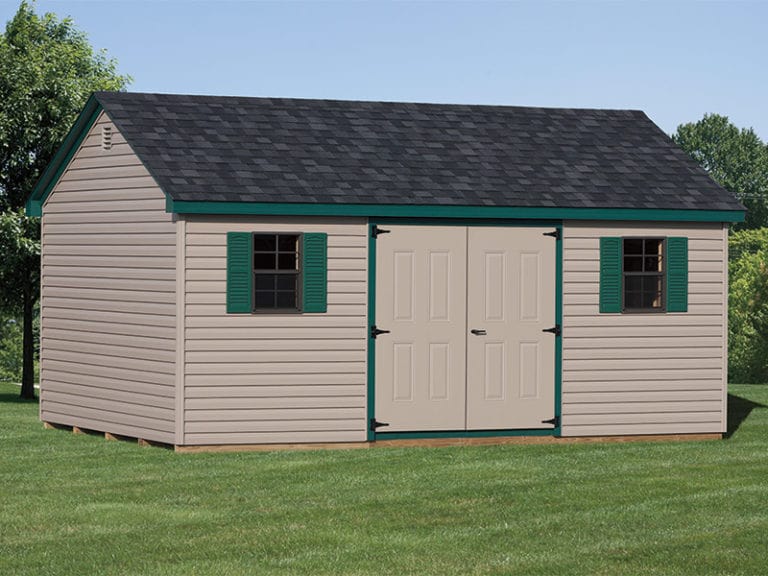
[215,148]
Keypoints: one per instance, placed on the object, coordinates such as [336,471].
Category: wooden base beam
[54,426]
[443,442]
[419,442]
[144,443]
[117,437]
[109,436]
[272,447]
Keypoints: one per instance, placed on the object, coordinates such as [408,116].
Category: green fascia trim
[370,434]
[460,212]
[500,222]
[463,434]
[63,155]
[559,322]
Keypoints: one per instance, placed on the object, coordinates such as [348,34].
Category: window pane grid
[643,274]
[276,271]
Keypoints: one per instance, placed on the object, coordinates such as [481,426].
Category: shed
[247,271]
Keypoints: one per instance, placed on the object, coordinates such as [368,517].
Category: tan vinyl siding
[108,303]
[643,373]
[274,378]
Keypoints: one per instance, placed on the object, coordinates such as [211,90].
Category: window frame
[662,274]
[298,273]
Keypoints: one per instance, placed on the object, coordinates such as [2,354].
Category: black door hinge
[376,331]
[554,421]
[376,424]
[375,231]
[555,233]
[556,330]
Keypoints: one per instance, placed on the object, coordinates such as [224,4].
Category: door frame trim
[372,435]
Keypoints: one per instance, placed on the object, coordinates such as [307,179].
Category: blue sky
[674,60]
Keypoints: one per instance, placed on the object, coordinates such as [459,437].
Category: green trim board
[372,435]
[371,367]
[464,434]
[501,222]
[452,212]
[63,156]
[559,337]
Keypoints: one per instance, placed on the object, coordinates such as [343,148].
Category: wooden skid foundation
[109,436]
[440,442]
[400,443]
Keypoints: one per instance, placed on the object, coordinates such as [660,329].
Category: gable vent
[106,137]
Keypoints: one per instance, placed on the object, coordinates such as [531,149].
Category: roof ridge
[342,101]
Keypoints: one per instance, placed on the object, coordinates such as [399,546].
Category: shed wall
[272,378]
[108,296]
[644,373]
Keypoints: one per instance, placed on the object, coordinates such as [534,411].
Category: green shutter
[677,274]
[239,272]
[610,274]
[314,271]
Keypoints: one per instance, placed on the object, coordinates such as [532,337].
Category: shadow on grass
[738,410]
[13,397]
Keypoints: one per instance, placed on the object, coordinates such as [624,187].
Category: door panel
[421,299]
[511,296]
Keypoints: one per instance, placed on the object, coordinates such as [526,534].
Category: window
[276,271]
[643,274]
[643,269]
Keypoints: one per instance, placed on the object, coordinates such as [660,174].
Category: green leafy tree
[10,349]
[47,71]
[748,306]
[736,159]
[20,282]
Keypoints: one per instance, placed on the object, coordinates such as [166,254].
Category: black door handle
[478,332]
[376,331]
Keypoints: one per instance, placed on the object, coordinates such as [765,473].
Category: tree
[47,71]
[20,281]
[736,159]
[748,306]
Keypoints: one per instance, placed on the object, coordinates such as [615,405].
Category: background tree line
[48,69]
[738,161]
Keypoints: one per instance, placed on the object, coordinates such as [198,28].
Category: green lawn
[79,505]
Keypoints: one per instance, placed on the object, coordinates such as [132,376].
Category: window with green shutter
[677,274]
[239,272]
[643,274]
[277,272]
[314,272]
[610,274]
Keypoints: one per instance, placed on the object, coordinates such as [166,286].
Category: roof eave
[450,211]
[63,156]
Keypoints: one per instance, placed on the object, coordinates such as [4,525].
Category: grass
[78,505]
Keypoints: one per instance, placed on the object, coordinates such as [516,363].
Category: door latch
[376,331]
[376,424]
[556,330]
[478,332]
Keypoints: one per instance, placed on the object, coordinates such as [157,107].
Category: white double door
[465,308]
